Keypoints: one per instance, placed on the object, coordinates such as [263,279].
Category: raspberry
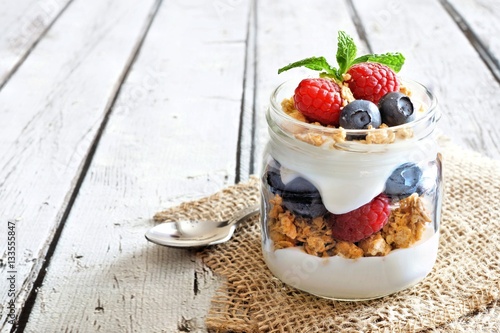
[361,222]
[371,81]
[319,100]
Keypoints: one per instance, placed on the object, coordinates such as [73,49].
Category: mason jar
[351,214]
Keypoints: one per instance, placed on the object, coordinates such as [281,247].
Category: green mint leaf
[346,51]
[392,60]
[314,63]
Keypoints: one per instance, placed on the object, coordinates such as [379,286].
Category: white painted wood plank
[51,111]
[22,23]
[483,18]
[172,136]
[288,31]
[439,56]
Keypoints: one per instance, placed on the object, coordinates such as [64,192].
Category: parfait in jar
[351,178]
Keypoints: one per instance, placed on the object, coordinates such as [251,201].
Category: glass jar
[351,214]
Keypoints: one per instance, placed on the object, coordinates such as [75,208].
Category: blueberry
[302,198]
[404,180]
[359,114]
[396,109]
[273,178]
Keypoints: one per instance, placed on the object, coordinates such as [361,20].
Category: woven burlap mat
[460,294]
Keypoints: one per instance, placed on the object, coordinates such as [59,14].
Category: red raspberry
[361,222]
[371,81]
[319,100]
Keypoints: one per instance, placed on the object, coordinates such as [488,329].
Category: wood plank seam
[254,93]
[73,193]
[244,97]
[20,61]
[489,59]
[360,28]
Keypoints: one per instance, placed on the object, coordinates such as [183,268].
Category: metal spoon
[198,233]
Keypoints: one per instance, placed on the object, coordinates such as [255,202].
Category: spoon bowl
[188,233]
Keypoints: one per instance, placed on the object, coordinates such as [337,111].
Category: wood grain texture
[480,20]
[440,56]
[172,136]
[22,23]
[54,106]
[189,120]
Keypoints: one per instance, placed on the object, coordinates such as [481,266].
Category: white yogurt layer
[354,279]
[347,180]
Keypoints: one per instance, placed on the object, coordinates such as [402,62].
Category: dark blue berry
[404,180]
[302,198]
[396,109]
[359,114]
[273,178]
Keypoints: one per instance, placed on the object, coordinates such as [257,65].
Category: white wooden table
[111,110]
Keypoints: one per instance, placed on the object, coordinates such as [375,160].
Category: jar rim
[432,111]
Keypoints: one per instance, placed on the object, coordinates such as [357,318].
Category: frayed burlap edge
[460,294]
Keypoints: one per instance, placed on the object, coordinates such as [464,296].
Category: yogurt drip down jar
[319,184]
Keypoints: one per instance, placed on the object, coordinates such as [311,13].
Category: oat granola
[404,227]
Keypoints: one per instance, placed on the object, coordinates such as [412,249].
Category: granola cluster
[405,227]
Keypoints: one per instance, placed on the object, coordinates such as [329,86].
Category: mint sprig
[317,64]
[346,57]
[346,51]
[394,60]
[314,63]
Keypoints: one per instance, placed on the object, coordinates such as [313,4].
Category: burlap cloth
[460,294]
